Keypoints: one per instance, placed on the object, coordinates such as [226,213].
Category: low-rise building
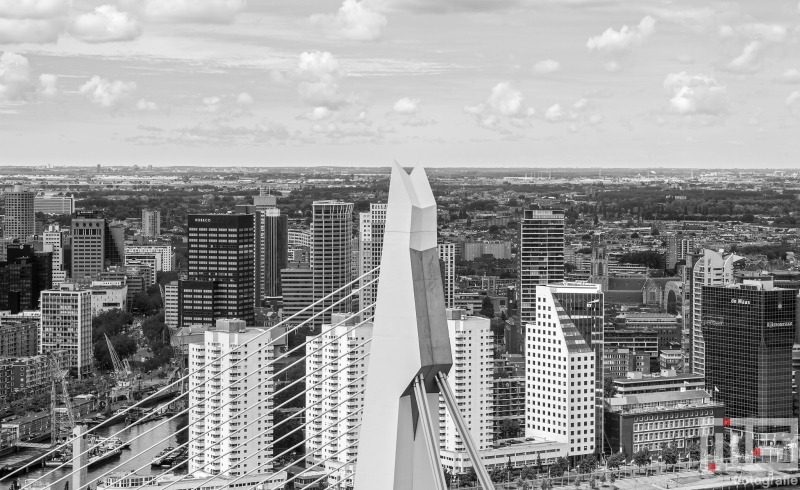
[30,426]
[618,362]
[635,340]
[667,327]
[19,335]
[671,359]
[650,420]
[639,383]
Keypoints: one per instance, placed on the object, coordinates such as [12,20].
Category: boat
[106,448]
[162,455]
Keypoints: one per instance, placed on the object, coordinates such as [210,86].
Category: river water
[139,454]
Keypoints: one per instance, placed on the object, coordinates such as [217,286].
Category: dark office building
[23,276]
[273,245]
[749,329]
[221,282]
[95,244]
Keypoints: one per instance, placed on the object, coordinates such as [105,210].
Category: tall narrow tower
[541,256]
[331,263]
[19,220]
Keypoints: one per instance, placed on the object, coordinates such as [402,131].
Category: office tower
[235,344]
[471,381]
[171,305]
[541,256]
[151,222]
[710,269]
[332,348]
[447,258]
[297,286]
[165,255]
[678,248]
[19,217]
[332,235]
[584,307]
[748,331]
[49,204]
[562,379]
[95,244]
[272,249]
[371,227]
[221,282]
[66,324]
[23,275]
[54,240]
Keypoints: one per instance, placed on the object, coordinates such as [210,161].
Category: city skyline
[459,83]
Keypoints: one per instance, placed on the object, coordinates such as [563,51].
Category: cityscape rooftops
[660,401]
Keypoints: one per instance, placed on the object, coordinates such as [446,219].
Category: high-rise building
[66,324]
[234,434]
[749,329]
[541,256]
[709,269]
[584,306]
[447,258]
[221,282]
[371,228]
[171,304]
[471,380]
[562,378]
[95,244]
[149,260]
[54,240]
[272,249]
[50,204]
[20,216]
[332,236]
[23,275]
[330,348]
[678,248]
[151,222]
[298,292]
[165,261]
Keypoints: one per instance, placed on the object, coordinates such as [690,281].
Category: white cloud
[505,99]
[244,99]
[750,59]
[555,113]
[32,21]
[14,75]
[353,21]
[36,31]
[34,9]
[317,114]
[406,105]
[696,94]
[790,75]
[106,93]
[613,42]
[201,11]
[318,74]
[547,66]
[146,105]
[504,105]
[48,85]
[793,102]
[105,24]
[209,104]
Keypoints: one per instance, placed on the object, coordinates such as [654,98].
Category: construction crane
[122,374]
[59,381]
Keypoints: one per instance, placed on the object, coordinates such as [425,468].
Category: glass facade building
[541,256]
[749,330]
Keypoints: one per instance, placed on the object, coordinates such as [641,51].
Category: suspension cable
[257,386]
[181,380]
[269,412]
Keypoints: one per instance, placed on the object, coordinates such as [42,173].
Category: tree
[509,428]
[609,390]
[487,307]
[616,460]
[538,463]
[470,476]
[669,453]
[556,470]
[587,464]
[497,474]
[547,484]
[592,482]
[611,478]
[528,472]
[642,458]
[603,478]
[694,452]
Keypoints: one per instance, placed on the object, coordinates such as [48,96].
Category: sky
[443,83]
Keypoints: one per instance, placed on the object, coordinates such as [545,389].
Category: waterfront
[131,459]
